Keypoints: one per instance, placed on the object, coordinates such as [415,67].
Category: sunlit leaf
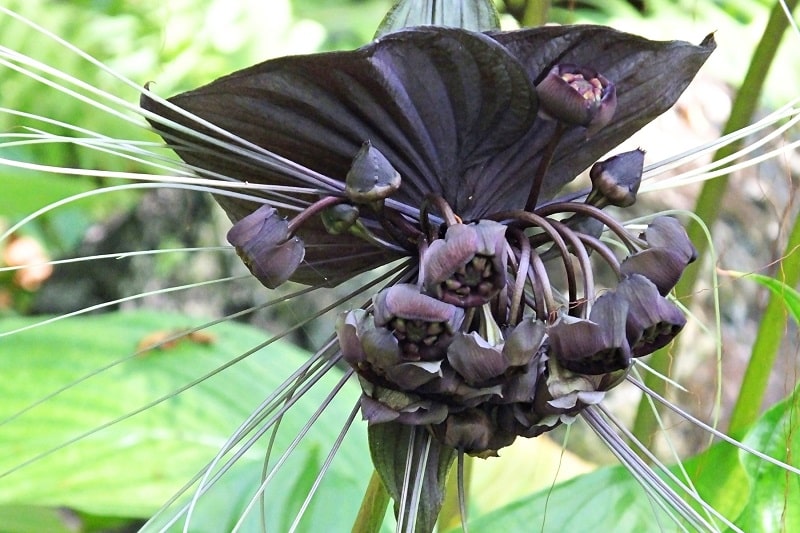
[774,493]
[132,468]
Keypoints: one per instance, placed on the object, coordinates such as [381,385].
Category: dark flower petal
[653,321]
[520,387]
[381,348]
[670,253]
[410,376]
[475,359]
[662,266]
[595,346]
[263,242]
[349,326]
[434,101]
[649,76]
[406,302]
[452,385]
[524,341]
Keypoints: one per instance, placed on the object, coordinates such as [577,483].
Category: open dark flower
[449,147]
[468,266]
[577,95]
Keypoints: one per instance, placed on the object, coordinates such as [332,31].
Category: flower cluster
[448,148]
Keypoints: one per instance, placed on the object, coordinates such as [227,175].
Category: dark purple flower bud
[669,254]
[422,325]
[263,242]
[616,180]
[468,267]
[653,321]
[595,346]
[475,359]
[371,178]
[578,96]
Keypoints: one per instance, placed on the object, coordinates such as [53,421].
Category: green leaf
[25,518]
[132,467]
[774,492]
[475,15]
[790,297]
[389,443]
[609,499]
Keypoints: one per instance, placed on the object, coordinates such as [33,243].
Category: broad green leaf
[790,297]
[774,493]
[131,468]
[608,499]
[25,518]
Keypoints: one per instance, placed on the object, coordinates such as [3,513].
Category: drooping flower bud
[653,321]
[423,326]
[669,254]
[371,178]
[468,267]
[578,96]
[263,242]
[595,346]
[616,180]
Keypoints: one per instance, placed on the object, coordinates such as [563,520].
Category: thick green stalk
[710,198]
[373,506]
[767,343]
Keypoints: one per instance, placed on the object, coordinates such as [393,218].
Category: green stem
[768,340]
[373,506]
[536,12]
[710,198]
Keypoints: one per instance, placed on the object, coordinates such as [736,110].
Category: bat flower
[448,148]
